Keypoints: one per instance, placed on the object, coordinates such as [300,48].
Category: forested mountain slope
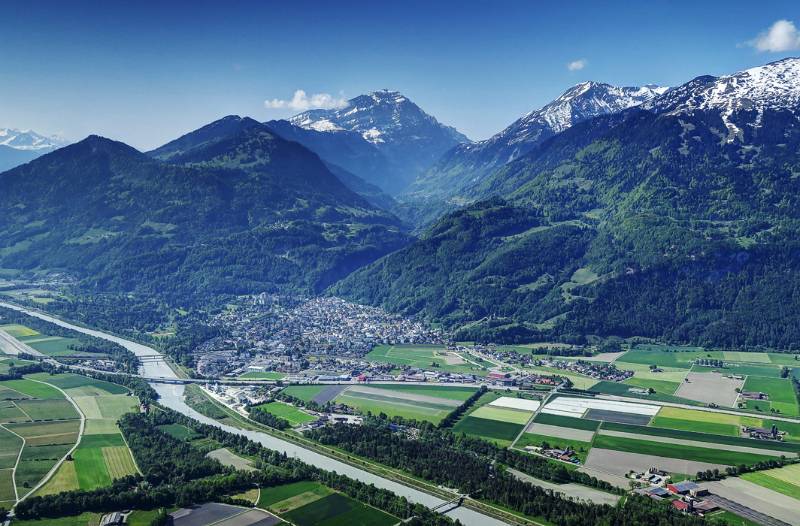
[687,208]
[249,212]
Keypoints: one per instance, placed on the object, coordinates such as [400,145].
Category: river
[172,397]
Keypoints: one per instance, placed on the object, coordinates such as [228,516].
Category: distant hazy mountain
[466,164]
[677,219]
[21,146]
[407,139]
[246,212]
[347,154]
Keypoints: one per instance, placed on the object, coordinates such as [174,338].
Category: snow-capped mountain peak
[468,163]
[28,140]
[772,86]
[386,124]
[379,116]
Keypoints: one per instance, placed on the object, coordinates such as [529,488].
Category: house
[681,505]
[659,493]
[682,488]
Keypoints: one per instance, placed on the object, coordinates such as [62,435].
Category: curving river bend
[172,397]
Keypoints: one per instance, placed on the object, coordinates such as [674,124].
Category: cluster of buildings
[760,433]
[521,359]
[564,455]
[598,370]
[281,333]
[685,496]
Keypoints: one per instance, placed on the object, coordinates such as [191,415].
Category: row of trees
[174,473]
[477,467]
[267,418]
[456,413]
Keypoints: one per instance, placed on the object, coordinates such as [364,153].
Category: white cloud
[577,65]
[783,35]
[301,102]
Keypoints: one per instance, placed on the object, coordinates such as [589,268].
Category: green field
[10,445]
[263,375]
[430,357]
[339,510]
[179,431]
[73,382]
[419,402]
[306,393]
[35,433]
[84,519]
[9,412]
[567,421]
[33,389]
[666,355]
[728,519]
[502,414]
[19,331]
[660,386]
[280,497]
[288,412]
[784,480]
[391,406]
[48,409]
[780,390]
[713,428]
[707,416]
[56,346]
[780,358]
[531,439]
[7,495]
[438,391]
[502,433]
[65,479]
[700,454]
[90,463]
[702,437]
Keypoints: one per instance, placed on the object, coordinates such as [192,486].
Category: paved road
[744,511]
[755,499]
[11,345]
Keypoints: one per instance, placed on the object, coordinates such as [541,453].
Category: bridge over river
[170,389]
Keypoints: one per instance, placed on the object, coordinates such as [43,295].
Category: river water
[171,395]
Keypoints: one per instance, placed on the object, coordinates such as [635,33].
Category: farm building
[683,488]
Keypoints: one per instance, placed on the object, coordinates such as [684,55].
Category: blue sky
[145,73]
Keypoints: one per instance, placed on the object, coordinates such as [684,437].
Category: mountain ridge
[256,213]
[678,233]
[409,139]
